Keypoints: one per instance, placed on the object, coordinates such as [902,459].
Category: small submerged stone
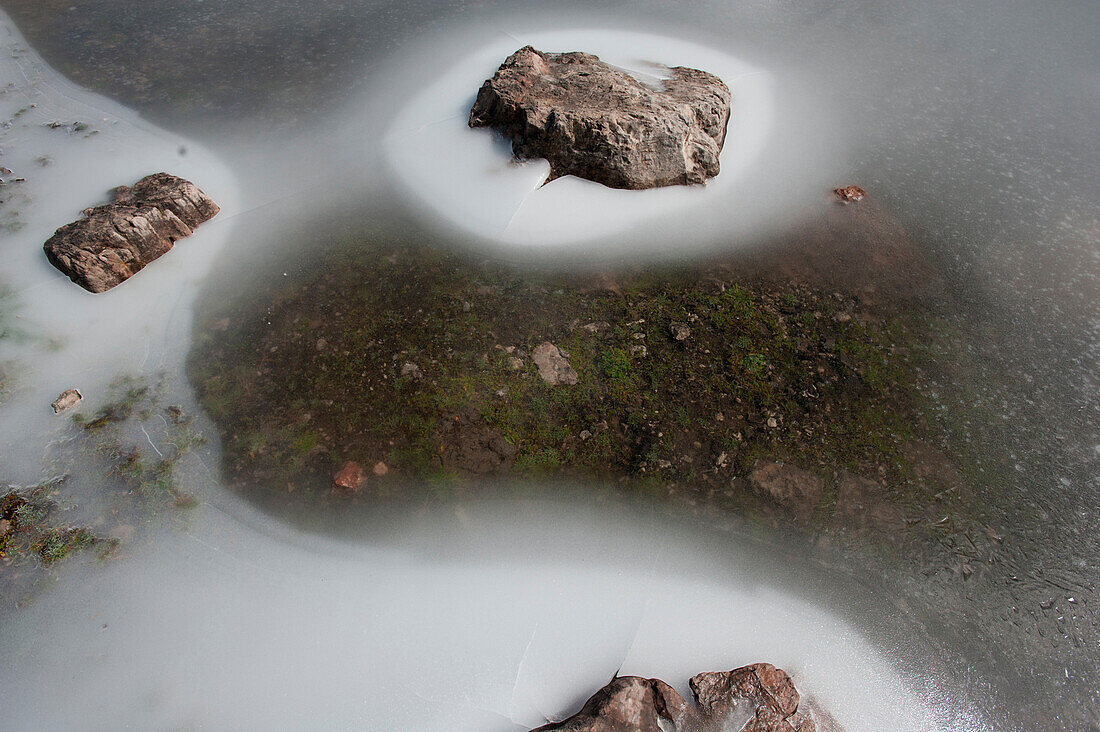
[594,121]
[350,477]
[114,242]
[850,194]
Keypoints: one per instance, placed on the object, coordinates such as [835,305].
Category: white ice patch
[494,623]
[468,177]
[79,339]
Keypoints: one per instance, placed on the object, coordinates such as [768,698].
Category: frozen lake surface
[975,124]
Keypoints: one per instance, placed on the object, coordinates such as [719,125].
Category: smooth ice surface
[517,620]
[231,620]
[972,122]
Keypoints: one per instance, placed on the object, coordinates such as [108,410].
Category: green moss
[538,461]
[765,373]
[29,530]
[58,544]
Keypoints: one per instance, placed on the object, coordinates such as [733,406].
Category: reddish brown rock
[792,489]
[850,194]
[170,193]
[594,121]
[768,688]
[350,477]
[627,704]
[756,698]
[114,242]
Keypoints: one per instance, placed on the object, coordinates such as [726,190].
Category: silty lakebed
[690,381]
[112,243]
[595,121]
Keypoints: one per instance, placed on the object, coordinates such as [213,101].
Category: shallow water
[976,125]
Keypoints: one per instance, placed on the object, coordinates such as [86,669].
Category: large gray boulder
[594,121]
[114,242]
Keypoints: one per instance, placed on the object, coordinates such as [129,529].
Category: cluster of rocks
[114,242]
[754,698]
[595,121]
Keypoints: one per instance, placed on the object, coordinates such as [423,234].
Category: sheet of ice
[77,339]
[468,178]
[491,622]
[236,622]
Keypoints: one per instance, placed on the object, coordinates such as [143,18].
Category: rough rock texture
[792,489]
[553,366]
[627,704]
[679,331]
[114,242]
[768,688]
[594,121]
[66,400]
[756,698]
[350,477]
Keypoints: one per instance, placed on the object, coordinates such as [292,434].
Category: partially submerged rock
[114,242]
[755,698]
[770,691]
[627,704]
[594,121]
[66,400]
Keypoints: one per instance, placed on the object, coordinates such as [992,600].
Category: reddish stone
[850,194]
[350,477]
[756,698]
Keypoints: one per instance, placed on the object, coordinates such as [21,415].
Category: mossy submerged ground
[107,452]
[419,358]
[28,528]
